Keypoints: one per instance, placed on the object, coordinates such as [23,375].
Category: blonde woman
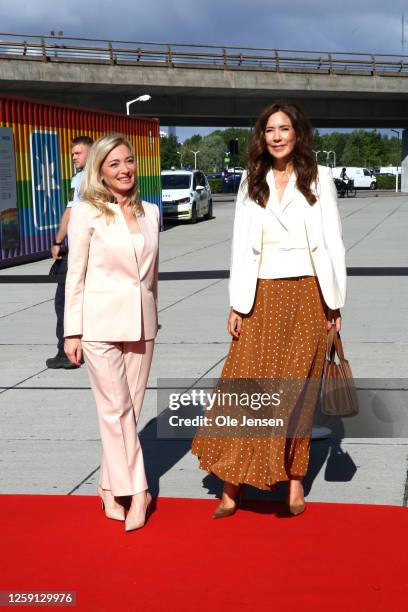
[111,314]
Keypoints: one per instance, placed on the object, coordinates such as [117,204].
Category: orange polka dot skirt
[283,338]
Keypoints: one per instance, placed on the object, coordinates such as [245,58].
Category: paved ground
[48,429]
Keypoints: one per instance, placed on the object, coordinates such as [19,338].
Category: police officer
[79,150]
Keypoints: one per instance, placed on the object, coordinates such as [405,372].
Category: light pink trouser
[118,372]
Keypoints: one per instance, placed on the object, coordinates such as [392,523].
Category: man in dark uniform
[79,150]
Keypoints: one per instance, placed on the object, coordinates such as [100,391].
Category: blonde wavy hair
[94,190]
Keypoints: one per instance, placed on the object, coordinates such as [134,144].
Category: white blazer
[324,235]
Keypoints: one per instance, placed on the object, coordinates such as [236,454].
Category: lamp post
[181,165]
[316,153]
[328,157]
[143,98]
[396,176]
[195,153]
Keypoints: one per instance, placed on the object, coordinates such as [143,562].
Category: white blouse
[285,250]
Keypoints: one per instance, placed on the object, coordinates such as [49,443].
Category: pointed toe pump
[296,507]
[110,506]
[132,523]
[223,512]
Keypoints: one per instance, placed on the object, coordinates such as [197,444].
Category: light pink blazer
[109,297]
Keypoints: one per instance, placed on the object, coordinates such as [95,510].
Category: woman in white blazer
[287,283]
[111,314]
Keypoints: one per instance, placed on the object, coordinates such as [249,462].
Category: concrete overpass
[196,85]
[209,85]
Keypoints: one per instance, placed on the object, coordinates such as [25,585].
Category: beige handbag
[338,393]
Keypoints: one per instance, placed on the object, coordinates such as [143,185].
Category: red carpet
[333,557]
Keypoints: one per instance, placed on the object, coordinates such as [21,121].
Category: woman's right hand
[234,324]
[73,349]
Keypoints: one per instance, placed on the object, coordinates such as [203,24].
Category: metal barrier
[133,53]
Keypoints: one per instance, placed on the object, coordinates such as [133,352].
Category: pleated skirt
[283,338]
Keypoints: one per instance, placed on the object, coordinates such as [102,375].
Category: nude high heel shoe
[110,506]
[132,523]
[297,507]
[222,512]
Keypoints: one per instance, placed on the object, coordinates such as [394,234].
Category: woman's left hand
[73,349]
[333,314]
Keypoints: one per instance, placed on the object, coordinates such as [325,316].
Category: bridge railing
[133,53]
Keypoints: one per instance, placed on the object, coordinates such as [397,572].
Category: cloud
[359,25]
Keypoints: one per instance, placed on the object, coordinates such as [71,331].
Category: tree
[392,151]
[168,152]
[211,156]
[243,135]
[363,148]
[191,144]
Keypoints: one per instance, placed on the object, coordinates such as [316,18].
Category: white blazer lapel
[255,227]
[274,205]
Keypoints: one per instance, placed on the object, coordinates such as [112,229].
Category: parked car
[387,170]
[216,176]
[236,170]
[230,183]
[363,177]
[186,195]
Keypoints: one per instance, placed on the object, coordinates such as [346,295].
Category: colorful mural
[38,143]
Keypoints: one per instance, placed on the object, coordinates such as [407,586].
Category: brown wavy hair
[259,161]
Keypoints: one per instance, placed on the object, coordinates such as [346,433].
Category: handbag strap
[334,344]
[339,346]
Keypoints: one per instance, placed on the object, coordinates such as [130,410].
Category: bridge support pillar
[404,163]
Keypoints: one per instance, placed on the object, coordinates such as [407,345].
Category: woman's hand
[234,323]
[333,314]
[73,349]
[55,249]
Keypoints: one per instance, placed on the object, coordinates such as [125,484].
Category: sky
[367,26]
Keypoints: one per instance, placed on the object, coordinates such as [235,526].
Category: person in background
[79,150]
[343,175]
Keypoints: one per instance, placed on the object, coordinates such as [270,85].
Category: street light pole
[328,157]
[195,153]
[399,149]
[316,153]
[143,98]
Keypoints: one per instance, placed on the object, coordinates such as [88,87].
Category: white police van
[186,194]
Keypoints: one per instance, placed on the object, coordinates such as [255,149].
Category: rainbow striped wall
[41,139]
